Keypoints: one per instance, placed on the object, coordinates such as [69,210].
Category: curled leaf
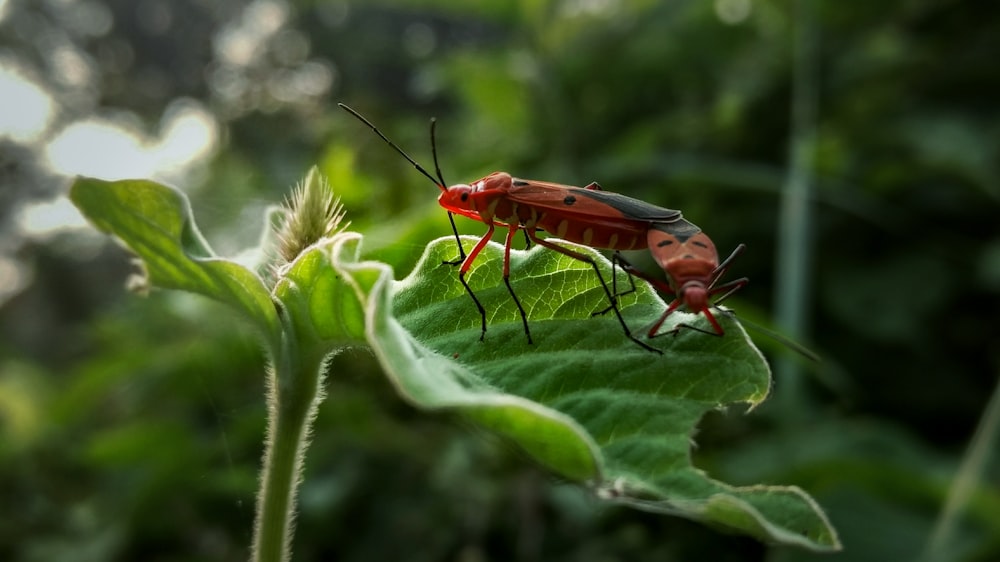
[583,400]
[156,223]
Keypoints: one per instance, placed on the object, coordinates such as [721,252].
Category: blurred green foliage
[132,427]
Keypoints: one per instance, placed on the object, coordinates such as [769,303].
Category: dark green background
[132,427]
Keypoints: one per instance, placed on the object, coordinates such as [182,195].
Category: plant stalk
[970,474]
[294,395]
[795,220]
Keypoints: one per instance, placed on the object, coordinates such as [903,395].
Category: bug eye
[465,196]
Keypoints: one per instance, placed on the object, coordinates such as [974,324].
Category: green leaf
[155,222]
[323,309]
[583,399]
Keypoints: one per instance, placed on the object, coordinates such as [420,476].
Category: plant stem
[795,228]
[294,394]
[969,475]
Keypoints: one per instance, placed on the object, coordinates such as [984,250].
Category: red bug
[691,263]
[585,215]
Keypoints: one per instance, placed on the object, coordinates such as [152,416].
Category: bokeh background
[131,427]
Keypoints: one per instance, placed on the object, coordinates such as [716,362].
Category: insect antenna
[434,152]
[418,167]
[780,338]
[438,182]
[451,216]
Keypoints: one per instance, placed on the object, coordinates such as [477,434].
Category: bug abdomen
[592,233]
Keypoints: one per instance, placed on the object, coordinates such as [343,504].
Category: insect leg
[721,269]
[633,271]
[604,285]
[466,264]
[717,329]
[511,229]
[727,289]
[663,317]
[674,304]
[617,259]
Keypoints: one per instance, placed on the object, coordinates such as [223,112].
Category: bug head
[467,199]
[694,295]
[458,199]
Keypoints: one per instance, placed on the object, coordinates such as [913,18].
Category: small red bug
[691,263]
[689,259]
[585,215]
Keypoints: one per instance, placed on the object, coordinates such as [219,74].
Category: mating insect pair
[592,217]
